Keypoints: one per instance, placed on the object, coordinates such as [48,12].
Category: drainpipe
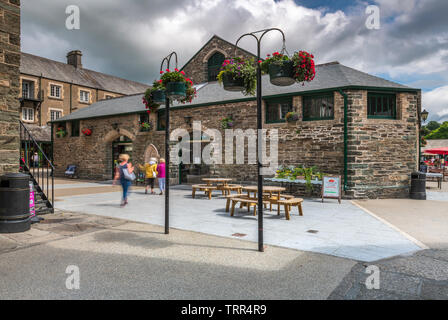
[345,138]
[71,102]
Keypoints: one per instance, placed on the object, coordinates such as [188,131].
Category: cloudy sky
[129,38]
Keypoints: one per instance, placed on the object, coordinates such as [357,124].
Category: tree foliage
[439,133]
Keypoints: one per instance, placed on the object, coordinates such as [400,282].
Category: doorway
[121,145]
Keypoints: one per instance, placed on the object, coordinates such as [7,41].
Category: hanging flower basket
[154,96]
[158,96]
[87,132]
[285,71]
[239,74]
[61,133]
[292,117]
[232,84]
[177,86]
[176,90]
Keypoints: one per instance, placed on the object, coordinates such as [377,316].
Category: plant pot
[231,84]
[175,90]
[282,74]
[158,96]
[61,134]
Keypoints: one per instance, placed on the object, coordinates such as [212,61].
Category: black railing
[34,161]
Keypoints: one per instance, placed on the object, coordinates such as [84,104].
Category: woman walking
[125,184]
[161,175]
[150,174]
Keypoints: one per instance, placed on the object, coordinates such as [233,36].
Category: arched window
[214,64]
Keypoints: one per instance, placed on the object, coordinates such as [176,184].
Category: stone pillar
[9,85]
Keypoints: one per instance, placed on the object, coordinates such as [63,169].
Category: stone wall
[9,85]
[382,153]
[197,68]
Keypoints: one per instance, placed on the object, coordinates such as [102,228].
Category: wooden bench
[203,187]
[288,203]
[232,196]
[249,202]
[273,200]
[226,189]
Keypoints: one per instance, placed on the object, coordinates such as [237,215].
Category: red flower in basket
[87,132]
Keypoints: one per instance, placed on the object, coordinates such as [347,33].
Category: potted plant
[304,68]
[280,69]
[60,132]
[87,132]
[227,123]
[154,96]
[146,126]
[292,117]
[177,86]
[238,74]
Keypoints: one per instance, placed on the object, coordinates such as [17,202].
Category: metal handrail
[40,181]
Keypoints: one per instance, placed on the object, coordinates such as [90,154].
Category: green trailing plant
[149,103]
[146,126]
[240,68]
[227,123]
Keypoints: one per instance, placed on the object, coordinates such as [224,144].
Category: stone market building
[352,124]
[52,89]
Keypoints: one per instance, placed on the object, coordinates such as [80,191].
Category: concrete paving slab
[425,220]
[342,229]
[138,261]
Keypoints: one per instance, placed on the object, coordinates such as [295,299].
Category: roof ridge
[86,70]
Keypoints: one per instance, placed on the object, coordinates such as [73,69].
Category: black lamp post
[423,117]
[259,127]
[167,59]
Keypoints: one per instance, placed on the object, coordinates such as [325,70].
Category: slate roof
[329,76]
[50,69]
[40,134]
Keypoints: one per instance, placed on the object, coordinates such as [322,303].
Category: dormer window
[214,65]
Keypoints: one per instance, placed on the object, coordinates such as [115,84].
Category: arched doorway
[122,144]
[151,152]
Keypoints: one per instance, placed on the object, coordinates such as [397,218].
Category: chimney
[74,58]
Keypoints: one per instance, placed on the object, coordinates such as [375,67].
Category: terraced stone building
[353,124]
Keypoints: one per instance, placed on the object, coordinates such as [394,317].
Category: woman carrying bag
[126,175]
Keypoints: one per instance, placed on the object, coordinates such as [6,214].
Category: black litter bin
[418,186]
[14,203]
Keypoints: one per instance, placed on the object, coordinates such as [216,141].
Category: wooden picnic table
[274,193]
[210,181]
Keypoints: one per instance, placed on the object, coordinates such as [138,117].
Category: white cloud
[436,103]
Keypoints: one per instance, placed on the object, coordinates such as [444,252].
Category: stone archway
[108,141]
[151,152]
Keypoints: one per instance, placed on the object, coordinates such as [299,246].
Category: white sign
[331,187]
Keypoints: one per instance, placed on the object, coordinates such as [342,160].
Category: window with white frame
[55,91]
[55,114]
[27,114]
[27,89]
[84,96]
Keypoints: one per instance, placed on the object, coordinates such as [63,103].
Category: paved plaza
[343,230]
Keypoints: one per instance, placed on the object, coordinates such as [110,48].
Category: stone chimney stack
[74,58]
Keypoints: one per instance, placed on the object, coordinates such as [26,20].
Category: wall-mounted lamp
[424,115]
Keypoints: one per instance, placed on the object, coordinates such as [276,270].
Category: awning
[442,151]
